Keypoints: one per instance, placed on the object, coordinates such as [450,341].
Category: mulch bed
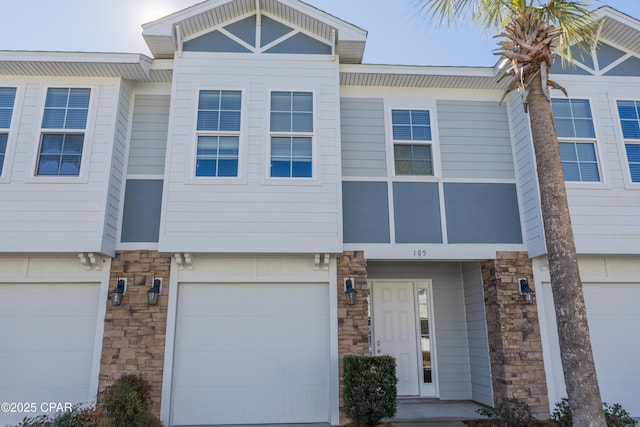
[489,423]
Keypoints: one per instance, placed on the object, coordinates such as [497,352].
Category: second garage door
[251,354]
[613,320]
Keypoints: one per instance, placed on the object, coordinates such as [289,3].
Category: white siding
[451,343]
[526,174]
[474,140]
[116,187]
[61,214]
[605,216]
[481,388]
[252,213]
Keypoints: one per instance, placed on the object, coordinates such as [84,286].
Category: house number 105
[420,253]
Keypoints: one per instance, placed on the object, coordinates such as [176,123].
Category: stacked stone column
[515,344]
[134,332]
[353,320]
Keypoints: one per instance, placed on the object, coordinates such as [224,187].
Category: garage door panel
[230,405]
[613,323]
[48,337]
[257,346]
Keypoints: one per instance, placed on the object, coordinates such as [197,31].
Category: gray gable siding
[149,135]
[363,137]
[474,140]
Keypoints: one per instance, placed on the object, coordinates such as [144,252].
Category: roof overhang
[476,78]
[129,66]
[162,35]
[618,29]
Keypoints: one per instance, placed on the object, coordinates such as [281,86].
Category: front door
[401,328]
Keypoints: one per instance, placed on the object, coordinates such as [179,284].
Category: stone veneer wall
[134,332]
[353,320]
[515,344]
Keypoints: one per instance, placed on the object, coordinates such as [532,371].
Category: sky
[396,34]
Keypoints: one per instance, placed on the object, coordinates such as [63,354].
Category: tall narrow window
[577,139]
[291,134]
[412,142]
[629,112]
[425,335]
[64,124]
[7,98]
[218,133]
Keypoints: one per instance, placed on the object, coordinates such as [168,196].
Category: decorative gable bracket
[183,260]
[321,261]
[89,260]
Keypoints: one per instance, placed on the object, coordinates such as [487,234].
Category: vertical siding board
[474,140]
[477,334]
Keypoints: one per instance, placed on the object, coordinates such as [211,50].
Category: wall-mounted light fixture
[350,291]
[525,290]
[154,291]
[116,294]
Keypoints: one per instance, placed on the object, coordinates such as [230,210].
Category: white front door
[394,331]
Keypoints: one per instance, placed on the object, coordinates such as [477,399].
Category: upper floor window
[65,120]
[412,151]
[629,112]
[7,98]
[577,139]
[218,133]
[291,134]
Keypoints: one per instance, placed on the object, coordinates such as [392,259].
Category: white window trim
[598,149]
[314,179]
[435,146]
[621,141]
[191,154]
[12,134]
[88,132]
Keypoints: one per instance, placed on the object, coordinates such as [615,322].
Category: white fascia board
[346,30]
[162,64]
[609,12]
[418,70]
[164,26]
[84,57]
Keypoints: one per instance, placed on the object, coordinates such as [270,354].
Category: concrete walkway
[434,413]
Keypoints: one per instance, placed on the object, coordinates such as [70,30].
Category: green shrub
[510,412]
[615,415]
[77,417]
[127,403]
[369,389]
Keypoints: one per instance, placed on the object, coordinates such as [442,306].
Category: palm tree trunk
[573,330]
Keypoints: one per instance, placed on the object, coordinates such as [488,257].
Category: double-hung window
[63,128]
[577,140]
[218,133]
[7,98]
[291,134]
[412,145]
[629,112]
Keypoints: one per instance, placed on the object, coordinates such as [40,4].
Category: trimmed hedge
[369,389]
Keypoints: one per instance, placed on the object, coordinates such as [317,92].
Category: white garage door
[613,325]
[47,334]
[251,354]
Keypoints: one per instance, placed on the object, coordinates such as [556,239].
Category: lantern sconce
[116,294]
[154,291]
[525,290]
[350,291]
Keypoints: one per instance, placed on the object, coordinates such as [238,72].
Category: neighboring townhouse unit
[254,170]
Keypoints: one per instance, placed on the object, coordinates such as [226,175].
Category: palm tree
[533,32]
